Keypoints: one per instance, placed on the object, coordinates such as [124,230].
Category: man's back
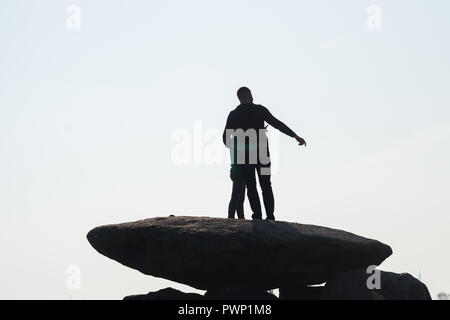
[252,116]
[247,116]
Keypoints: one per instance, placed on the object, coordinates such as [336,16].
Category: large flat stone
[166,295]
[208,253]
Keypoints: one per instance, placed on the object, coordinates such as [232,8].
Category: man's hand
[301,141]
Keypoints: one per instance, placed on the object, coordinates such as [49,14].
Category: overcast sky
[92,111]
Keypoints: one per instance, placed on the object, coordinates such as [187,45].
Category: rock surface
[165,295]
[239,294]
[301,293]
[352,285]
[208,253]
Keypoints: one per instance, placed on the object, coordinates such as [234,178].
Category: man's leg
[252,192]
[266,187]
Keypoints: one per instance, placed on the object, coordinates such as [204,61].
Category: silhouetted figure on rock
[245,135]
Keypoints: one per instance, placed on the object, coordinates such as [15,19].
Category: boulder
[209,253]
[352,285]
[166,294]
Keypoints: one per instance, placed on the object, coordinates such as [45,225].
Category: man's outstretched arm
[274,122]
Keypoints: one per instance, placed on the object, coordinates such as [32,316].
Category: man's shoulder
[241,108]
[232,112]
[236,109]
[260,108]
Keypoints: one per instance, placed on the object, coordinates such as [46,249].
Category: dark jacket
[251,116]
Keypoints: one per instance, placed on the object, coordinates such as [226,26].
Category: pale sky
[87,118]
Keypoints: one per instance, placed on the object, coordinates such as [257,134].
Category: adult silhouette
[245,135]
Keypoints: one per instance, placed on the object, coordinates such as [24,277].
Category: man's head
[245,95]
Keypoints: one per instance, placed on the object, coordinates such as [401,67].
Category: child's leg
[240,206]
[238,185]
